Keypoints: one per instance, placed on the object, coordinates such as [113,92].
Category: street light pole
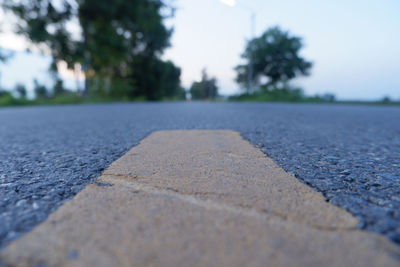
[251,61]
[250,74]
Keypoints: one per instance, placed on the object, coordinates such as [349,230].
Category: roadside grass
[297,96]
[8,100]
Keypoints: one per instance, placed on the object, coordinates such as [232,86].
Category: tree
[3,92]
[58,88]
[40,90]
[20,89]
[171,82]
[156,79]
[113,35]
[206,88]
[275,57]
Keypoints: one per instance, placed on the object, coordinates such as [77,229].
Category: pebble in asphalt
[349,153]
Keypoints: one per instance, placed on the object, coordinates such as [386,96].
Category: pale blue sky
[354,44]
[23,68]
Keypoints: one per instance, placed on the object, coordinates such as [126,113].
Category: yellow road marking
[196,198]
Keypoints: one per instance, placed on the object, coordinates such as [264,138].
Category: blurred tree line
[271,61]
[118,44]
[206,88]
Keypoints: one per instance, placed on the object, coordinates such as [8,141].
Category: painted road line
[199,198]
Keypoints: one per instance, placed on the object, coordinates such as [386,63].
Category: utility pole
[251,61]
[250,74]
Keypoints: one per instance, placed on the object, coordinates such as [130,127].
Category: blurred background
[71,51]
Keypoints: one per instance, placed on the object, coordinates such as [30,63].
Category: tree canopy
[110,39]
[274,57]
[206,88]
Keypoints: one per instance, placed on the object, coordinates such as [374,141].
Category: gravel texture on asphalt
[349,153]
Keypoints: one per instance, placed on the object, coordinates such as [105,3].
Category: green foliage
[156,79]
[170,81]
[115,33]
[274,57]
[276,94]
[20,89]
[119,47]
[113,89]
[328,97]
[3,92]
[206,88]
[58,88]
[6,99]
[283,93]
[386,100]
[40,90]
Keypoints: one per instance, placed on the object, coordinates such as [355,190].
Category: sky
[354,44]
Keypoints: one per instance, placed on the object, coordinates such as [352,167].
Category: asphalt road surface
[349,153]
